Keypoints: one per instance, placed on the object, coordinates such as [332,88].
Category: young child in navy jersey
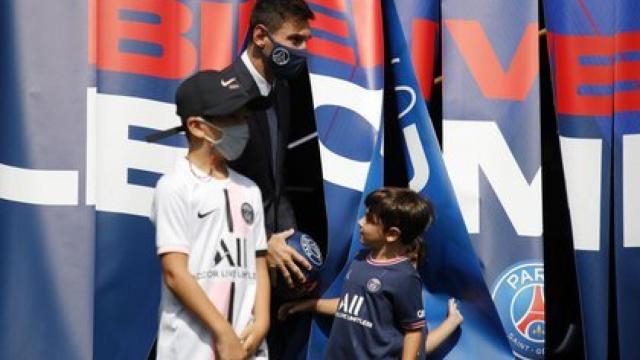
[380,313]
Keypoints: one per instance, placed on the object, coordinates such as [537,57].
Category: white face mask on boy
[233,139]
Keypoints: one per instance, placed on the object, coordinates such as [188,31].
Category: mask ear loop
[206,137]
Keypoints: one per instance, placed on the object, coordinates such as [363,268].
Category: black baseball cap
[212,93]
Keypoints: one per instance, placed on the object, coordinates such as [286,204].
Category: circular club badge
[311,249]
[280,56]
[374,285]
[247,213]
[519,297]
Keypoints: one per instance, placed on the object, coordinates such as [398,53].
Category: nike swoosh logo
[227,82]
[201,215]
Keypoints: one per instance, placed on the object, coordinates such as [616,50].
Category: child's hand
[252,336]
[228,346]
[454,316]
[293,307]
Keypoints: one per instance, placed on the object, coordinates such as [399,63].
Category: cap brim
[256,103]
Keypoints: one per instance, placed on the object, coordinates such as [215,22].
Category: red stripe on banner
[243,22]
[423,38]
[331,50]
[178,57]
[485,67]
[216,35]
[367,18]
[337,5]
[567,51]
[628,70]
[572,73]
[330,25]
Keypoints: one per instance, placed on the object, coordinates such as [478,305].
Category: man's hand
[285,258]
[229,347]
[294,307]
[252,336]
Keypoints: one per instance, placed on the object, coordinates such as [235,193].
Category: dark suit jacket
[256,160]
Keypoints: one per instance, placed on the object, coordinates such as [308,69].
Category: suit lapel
[258,120]
[282,110]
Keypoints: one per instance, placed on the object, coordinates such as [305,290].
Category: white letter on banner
[40,187]
[417,157]
[631,189]
[367,103]
[116,153]
[582,162]
[473,145]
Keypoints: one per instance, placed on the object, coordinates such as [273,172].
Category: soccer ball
[309,249]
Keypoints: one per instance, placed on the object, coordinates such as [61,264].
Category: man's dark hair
[404,209]
[273,13]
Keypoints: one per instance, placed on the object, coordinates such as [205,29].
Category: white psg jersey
[220,225]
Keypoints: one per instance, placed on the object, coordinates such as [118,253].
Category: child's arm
[186,289]
[448,326]
[411,344]
[255,332]
[318,306]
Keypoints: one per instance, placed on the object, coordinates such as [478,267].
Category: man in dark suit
[276,53]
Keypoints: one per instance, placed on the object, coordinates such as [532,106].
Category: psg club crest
[519,297]
[280,56]
[247,213]
[311,249]
[374,285]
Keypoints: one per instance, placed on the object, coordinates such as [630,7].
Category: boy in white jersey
[210,231]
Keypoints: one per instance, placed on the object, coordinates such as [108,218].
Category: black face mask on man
[286,62]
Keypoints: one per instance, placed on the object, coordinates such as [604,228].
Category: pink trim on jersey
[173,248]
[415,325]
[393,261]
[220,295]
[236,199]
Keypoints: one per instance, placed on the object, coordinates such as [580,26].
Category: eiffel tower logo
[532,322]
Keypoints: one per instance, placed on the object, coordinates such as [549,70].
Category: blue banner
[491,143]
[626,167]
[46,225]
[452,267]
[420,22]
[593,51]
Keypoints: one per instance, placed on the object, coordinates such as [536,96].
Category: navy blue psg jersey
[378,303]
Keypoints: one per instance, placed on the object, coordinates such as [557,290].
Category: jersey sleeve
[408,304]
[259,232]
[169,213]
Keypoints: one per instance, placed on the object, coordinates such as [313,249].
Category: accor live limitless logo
[349,309]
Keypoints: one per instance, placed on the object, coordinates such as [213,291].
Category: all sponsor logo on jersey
[519,297]
[247,213]
[226,253]
[349,309]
